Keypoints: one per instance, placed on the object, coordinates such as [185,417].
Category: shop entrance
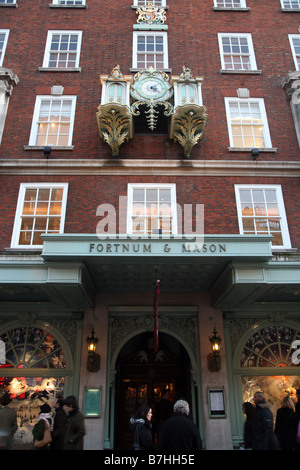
[142,377]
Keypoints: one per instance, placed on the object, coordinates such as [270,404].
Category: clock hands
[154,88]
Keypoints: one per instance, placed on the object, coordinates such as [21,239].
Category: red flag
[156,292]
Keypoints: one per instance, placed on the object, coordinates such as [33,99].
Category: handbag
[47,439]
[136,444]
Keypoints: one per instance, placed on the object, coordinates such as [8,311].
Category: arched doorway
[142,376]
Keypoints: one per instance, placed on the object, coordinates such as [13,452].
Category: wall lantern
[213,359]
[93,362]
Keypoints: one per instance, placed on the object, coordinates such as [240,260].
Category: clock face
[151,87]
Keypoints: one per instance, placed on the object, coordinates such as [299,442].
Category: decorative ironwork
[270,347]
[29,347]
[152,113]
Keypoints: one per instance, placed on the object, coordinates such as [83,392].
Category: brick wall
[107,40]
[86,193]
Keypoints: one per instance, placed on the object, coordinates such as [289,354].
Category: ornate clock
[151,88]
[151,85]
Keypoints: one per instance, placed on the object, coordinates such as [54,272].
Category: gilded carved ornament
[151,14]
[152,89]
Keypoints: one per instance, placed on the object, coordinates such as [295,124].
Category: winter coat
[264,437]
[248,432]
[179,433]
[8,426]
[286,428]
[59,429]
[142,429]
[45,419]
[75,431]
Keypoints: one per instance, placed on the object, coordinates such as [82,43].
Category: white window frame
[230,7]
[281,209]
[137,34]
[8,2]
[251,54]
[6,34]
[131,187]
[69,3]
[291,38]
[263,114]
[291,2]
[48,45]
[19,211]
[36,114]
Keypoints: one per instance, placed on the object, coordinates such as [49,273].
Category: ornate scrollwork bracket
[187,126]
[115,125]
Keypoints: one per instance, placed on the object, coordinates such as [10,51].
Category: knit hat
[45,408]
[5,399]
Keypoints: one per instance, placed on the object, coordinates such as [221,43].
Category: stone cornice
[128,167]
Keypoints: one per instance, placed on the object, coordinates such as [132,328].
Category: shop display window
[29,356]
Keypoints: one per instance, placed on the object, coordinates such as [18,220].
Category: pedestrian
[75,429]
[287,424]
[142,429]
[264,437]
[297,409]
[163,410]
[59,426]
[42,429]
[8,422]
[249,411]
[179,432]
[297,406]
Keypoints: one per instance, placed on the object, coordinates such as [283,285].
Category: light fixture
[255,153]
[47,151]
[93,361]
[213,359]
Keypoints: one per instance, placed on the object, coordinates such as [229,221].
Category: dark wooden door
[141,378]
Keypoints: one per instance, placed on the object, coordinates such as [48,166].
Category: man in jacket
[263,435]
[75,429]
[179,432]
[8,423]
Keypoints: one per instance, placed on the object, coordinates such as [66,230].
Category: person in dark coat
[297,406]
[142,428]
[59,426]
[75,430]
[179,432]
[163,410]
[8,422]
[287,424]
[249,411]
[264,437]
[297,409]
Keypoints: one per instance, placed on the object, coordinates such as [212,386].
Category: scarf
[47,417]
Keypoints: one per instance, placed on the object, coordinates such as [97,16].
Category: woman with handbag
[142,428]
[42,429]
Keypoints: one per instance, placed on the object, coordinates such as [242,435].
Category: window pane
[43,204]
[259,215]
